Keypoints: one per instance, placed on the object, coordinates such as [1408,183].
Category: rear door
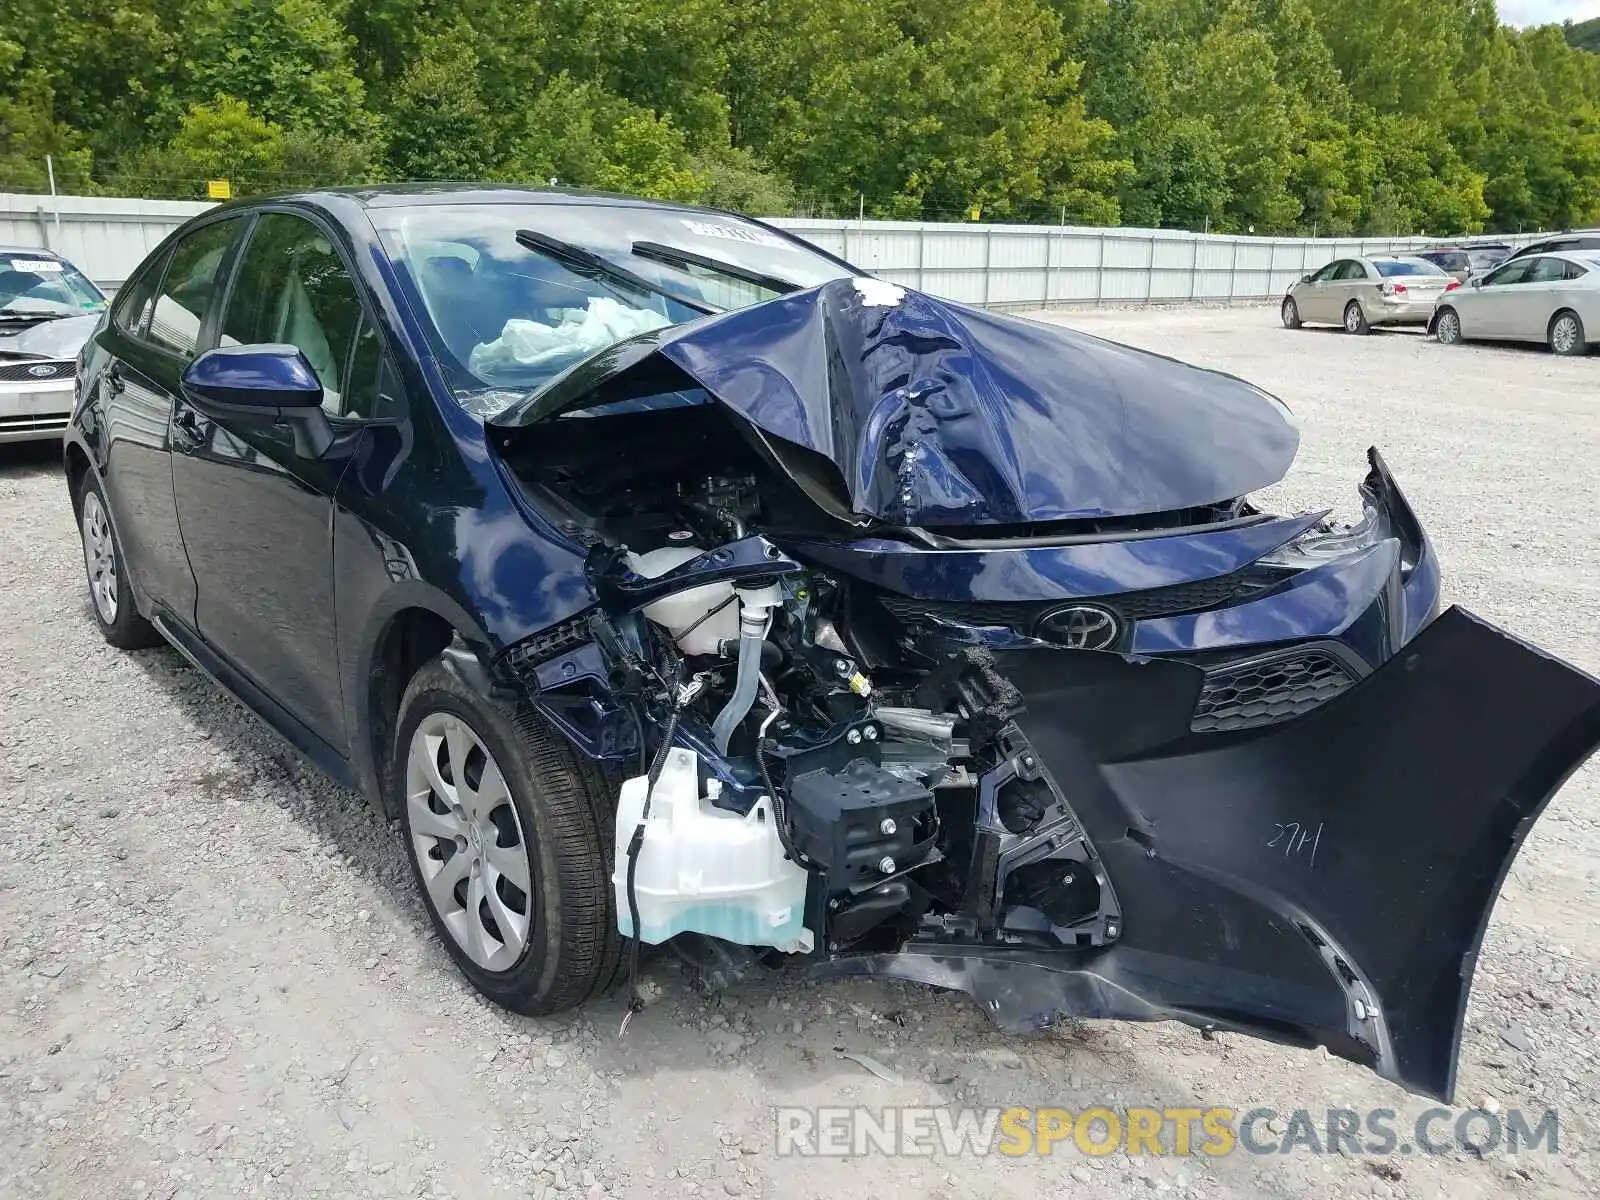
[257,516]
[154,331]
[1530,306]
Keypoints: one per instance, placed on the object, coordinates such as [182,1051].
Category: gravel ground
[215,980]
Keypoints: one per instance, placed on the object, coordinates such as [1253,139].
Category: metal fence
[1013,266]
[1029,266]
[106,237]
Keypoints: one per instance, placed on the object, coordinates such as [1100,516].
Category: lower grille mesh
[1267,691]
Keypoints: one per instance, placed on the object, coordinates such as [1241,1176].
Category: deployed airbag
[524,343]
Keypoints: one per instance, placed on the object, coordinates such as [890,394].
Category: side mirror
[1475,281]
[1305,279]
[266,384]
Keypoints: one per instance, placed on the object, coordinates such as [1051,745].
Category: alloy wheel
[1448,330]
[1290,314]
[1564,334]
[100,557]
[1352,319]
[468,841]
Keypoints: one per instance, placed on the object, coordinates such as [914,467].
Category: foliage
[1234,114]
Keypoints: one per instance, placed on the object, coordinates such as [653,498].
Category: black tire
[566,814]
[1358,323]
[1447,327]
[1566,335]
[124,628]
[1290,312]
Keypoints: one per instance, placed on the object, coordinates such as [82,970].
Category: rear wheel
[510,842]
[1290,313]
[1448,328]
[110,599]
[1355,319]
[1566,335]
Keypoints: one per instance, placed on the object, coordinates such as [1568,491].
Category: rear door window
[1547,270]
[189,286]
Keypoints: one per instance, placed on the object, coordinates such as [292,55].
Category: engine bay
[803,772]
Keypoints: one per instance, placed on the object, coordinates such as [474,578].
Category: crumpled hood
[940,414]
[61,338]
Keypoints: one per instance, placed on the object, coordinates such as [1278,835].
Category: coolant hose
[751,635]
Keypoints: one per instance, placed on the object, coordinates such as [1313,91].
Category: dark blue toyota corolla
[665,577]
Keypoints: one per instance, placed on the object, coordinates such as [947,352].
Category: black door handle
[187,422]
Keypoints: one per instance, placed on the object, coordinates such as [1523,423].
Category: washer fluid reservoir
[703,869]
[679,612]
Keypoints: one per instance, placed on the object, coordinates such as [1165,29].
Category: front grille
[13,427]
[1268,690]
[24,371]
[1129,606]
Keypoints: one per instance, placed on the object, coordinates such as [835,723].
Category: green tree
[439,125]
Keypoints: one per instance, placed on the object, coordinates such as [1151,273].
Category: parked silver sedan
[1360,293]
[1549,298]
[48,308]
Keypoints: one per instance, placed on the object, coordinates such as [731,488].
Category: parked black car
[662,574]
[1572,239]
[1466,261]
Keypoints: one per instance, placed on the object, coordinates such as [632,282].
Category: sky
[1540,12]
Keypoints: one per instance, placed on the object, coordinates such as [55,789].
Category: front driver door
[1490,316]
[256,516]
[1315,306]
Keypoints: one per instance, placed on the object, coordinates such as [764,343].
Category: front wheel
[1448,328]
[510,842]
[103,561]
[1290,313]
[1355,319]
[1566,336]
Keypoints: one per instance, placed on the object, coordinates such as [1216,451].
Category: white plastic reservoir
[704,870]
[680,612]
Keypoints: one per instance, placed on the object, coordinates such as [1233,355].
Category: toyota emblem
[43,370]
[1079,627]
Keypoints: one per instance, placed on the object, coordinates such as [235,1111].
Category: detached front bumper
[1325,881]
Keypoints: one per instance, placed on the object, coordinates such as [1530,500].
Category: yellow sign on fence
[219,189]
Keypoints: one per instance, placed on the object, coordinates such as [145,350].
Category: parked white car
[48,309]
[1549,298]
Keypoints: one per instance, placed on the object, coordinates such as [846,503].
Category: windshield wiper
[591,266]
[13,314]
[672,256]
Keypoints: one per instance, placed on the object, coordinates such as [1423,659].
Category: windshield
[1406,266]
[45,287]
[505,315]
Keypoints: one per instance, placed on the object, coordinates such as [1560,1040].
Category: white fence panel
[1013,266]
[105,236]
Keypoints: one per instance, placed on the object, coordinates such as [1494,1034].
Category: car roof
[410,195]
[30,252]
